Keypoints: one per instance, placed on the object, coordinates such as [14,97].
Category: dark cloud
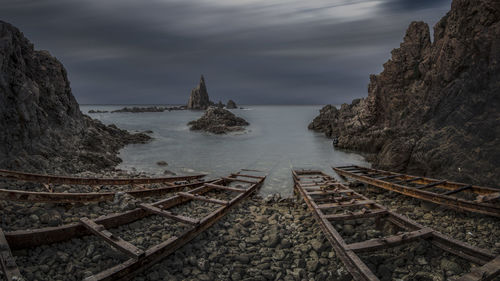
[253,51]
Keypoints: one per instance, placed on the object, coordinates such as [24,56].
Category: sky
[251,51]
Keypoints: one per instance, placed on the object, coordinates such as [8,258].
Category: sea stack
[433,111]
[199,96]
[42,126]
[231,105]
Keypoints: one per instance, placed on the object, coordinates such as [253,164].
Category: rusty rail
[66,197]
[139,260]
[50,179]
[316,188]
[486,201]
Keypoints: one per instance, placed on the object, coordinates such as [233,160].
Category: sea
[276,141]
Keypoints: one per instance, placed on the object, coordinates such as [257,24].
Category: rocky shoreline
[44,129]
[433,110]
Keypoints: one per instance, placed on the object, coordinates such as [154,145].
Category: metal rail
[412,231]
[50,179]
[139,260]
[487,199]
[66,197]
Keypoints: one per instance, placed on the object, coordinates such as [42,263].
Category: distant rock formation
[41,125]
[137,109]
[199,96]
[218,121]
[435,108]
[98,111]
[231,105]
[219,105]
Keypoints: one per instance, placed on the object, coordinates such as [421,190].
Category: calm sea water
[276,140]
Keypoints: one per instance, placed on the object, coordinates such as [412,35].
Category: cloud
[252,51]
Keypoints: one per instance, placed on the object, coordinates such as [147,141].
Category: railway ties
[172,184]
[191,212]
[458,196]
[337,207]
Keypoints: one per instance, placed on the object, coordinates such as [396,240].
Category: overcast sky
[252,51]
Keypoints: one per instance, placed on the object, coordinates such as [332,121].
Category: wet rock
[161,163]
[218,121]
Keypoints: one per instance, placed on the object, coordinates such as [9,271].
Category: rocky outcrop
[218,121]
[137,109]
[199,96]
[435,108]
[41,125]
[231,105]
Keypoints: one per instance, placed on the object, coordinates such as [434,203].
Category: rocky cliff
[435,108]
[199,96]
[41,126]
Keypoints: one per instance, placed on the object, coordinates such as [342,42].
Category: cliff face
[435,108]
[41,126]
[199,96]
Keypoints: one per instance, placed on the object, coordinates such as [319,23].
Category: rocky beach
[433,111]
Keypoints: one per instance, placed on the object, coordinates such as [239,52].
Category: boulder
[434,109]
[231,105]
[199,96]
[218,121]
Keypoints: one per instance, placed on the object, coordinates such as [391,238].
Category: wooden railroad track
[49,179]
[67,197]
[331,202]
[478,199]
[138,259]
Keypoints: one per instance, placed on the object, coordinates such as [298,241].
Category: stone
[433,110]
[231,105]
[161,163]
[199,96]
[451,266]
[218,121]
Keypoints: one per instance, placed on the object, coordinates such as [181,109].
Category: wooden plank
[450,192]
[391,241]
[315,191]
[431,184]
[223,187]
[407,181]
[388,177]
[202,198]
[246,176]
[170,215]
[346,204]
[240,180]
[488,198]
[112,239]
[7,261]
[357,215]
[485,272]
[319,191]
[15,175]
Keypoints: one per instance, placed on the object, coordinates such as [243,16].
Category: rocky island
[218,121]
[433,110]
[46,129]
